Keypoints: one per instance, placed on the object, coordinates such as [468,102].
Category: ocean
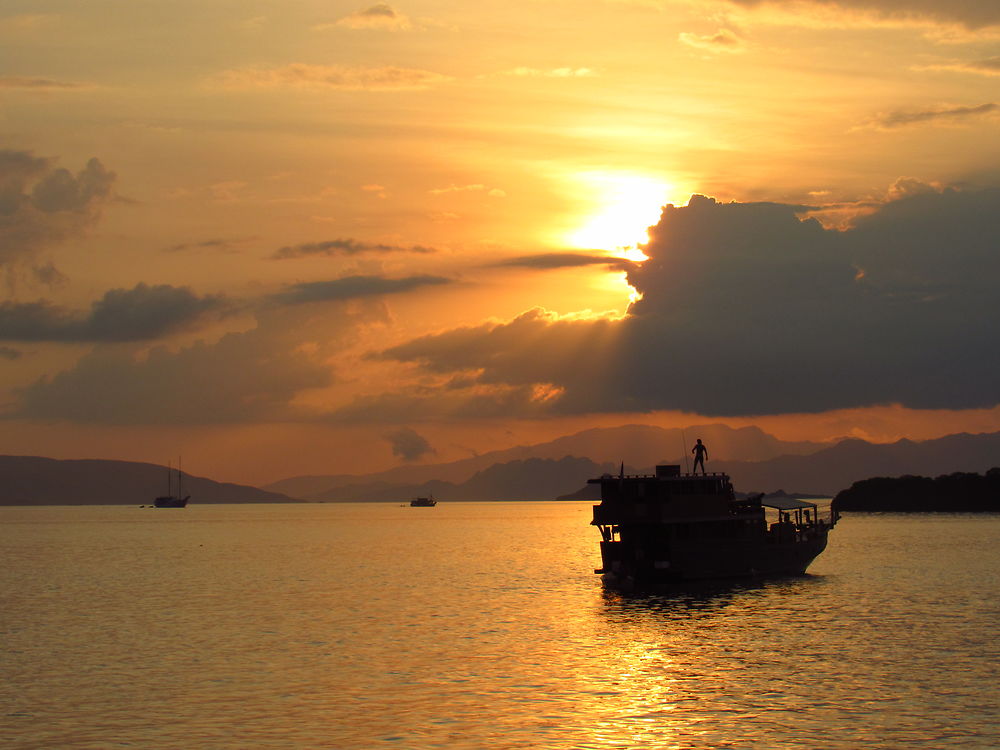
[480,625]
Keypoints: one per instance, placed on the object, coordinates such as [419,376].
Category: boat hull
[632,567]
[170,502]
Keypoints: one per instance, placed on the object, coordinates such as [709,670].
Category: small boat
[423,502]
[671,528]
[170,500]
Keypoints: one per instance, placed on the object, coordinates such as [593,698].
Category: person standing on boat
[700,454]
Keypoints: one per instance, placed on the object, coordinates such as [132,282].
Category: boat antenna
[684,446]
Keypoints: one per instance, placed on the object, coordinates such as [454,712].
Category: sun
[625,206]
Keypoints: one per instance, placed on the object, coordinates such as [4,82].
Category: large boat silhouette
[669,528]
[170,500]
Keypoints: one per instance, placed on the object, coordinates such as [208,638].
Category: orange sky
[269,237]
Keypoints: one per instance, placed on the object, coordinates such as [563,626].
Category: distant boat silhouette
[170,500]
[423,502]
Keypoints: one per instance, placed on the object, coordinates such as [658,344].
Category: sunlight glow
[625,206]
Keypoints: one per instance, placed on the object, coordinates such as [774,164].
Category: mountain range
[756,461]
[559,469]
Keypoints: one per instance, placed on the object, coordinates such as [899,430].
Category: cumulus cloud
[409,445]
[353,287]
[947,115]
[723,40]
[42,205]
[746,308]
[972,14]
[331,77]
[344,247]
[137,314]
[547,261]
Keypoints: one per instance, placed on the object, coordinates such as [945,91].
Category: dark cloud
[747,309]
[409,445]
[343,247]
[899,119]
[41,205]
[973,14]
[353,287]
[218,244]
[248,376]
[137,314]
[545,261]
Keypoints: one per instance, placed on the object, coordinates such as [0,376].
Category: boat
[170,500]
[423,502]
[669,528]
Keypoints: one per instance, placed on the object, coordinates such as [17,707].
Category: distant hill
[833,469]
[952,493]
[639,445]
[31,480]
[529,479]
[820,474]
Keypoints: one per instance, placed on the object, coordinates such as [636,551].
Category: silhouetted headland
[32,480]
[959,492]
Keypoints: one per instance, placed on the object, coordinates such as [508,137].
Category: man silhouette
[700,454]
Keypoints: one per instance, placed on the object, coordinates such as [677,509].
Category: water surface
[480,625]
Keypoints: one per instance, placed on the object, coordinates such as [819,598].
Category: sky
[284,238]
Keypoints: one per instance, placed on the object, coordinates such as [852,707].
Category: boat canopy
[786,503]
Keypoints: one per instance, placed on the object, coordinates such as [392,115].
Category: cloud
[721,41]
[948,115]
[971,14]
[987,67]
[42,205]
[331,77]
[251,376]
[344,247]
[380,16]
[216,244]
[39,84]
[546,261]
[409,445]
[747,309]
[353,287]
[10,354]
[473,188]
[551,72]
[137,314]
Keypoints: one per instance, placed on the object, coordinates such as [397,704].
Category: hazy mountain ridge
[823,473]
[638,445]
[33,480]
[28,480]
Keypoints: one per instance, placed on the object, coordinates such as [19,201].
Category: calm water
[479,625]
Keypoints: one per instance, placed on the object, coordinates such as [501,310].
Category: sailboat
[170,500]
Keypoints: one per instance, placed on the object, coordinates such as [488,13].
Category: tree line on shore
[960,492]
